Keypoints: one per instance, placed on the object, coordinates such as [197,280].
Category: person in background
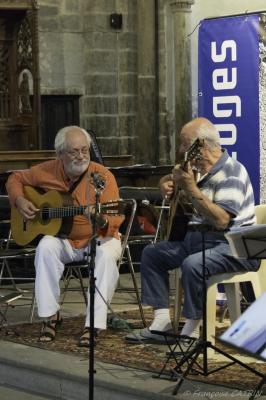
[72,172]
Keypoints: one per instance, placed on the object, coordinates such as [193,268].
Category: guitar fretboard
[113,207]
[61,212]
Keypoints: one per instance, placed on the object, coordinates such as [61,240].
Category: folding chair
[148,212]
[5,301]
[147,222]
[9,253]
[74,270]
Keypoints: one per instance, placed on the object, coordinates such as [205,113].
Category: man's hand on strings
[26,208]
[167,186]
[184,178]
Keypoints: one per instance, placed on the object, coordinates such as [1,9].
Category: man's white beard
[74,169]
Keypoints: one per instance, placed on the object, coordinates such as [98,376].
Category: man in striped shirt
[222,199]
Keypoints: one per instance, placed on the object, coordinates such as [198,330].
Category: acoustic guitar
[55,215]
[180,207]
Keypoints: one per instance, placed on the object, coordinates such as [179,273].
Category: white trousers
[53,253]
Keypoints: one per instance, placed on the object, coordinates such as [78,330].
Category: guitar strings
[111,207]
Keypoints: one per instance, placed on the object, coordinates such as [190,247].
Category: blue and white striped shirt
[228,185]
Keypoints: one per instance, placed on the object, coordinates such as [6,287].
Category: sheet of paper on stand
[248,241]
[248,332]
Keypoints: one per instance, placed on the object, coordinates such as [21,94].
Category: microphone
[98,180]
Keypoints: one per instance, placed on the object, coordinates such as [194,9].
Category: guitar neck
[111,208]
[184,166]
[61,212]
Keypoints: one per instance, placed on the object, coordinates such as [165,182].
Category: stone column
[146,135]
[181,68]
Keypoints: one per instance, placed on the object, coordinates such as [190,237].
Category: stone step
[51,375]
[9,393]
[63,376]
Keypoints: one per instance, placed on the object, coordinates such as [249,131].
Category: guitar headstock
[113,207]
[194,150]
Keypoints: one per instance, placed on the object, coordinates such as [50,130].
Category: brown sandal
[84,340]
[49,329]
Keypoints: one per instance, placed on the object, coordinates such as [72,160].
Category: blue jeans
[157,259]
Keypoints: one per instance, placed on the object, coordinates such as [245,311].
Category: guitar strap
[75,184]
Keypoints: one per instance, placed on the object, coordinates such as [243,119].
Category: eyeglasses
[77,152]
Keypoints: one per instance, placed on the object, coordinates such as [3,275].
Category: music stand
[247,334]
[202,345]
[259,253]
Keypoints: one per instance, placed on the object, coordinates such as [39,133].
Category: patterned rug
[112,348]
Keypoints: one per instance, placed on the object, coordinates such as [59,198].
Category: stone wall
[61,46]
[125,77]
[110,74]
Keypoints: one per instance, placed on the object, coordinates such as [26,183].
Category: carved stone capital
[181,5]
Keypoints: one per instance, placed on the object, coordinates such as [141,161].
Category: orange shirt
[50,175]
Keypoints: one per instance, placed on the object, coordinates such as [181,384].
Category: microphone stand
[92,279]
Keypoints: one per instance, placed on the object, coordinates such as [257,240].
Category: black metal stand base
[189,360]
[202,348]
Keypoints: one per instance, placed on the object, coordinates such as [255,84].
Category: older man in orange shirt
[71,172]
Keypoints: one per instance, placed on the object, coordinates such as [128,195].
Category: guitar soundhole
[44,215]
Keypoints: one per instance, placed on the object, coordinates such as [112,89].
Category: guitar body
[24,232]
[178,228]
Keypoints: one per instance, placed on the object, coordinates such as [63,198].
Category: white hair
[60,139]
[210,134]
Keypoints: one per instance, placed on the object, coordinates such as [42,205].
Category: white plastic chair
[231,283]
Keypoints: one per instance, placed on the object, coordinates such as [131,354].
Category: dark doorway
[57,112]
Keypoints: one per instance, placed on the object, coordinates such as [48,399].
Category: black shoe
[147,336]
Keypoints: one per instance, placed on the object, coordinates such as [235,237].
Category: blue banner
[229,86]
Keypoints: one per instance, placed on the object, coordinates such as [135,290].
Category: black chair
[5,300]
[13,257]
[95,151]
[77,270]
[145,229]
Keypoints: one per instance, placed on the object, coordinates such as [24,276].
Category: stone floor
[59,376]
